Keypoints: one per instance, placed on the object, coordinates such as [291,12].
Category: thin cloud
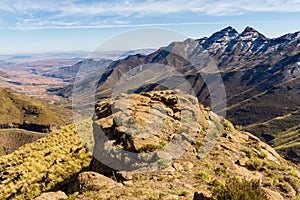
[72,7]
[85,13]
[70,26]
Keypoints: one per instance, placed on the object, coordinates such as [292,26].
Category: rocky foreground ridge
[170,151]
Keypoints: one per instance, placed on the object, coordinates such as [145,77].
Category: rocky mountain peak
[227,44]
[249,29]
[229,30]
[223,36]
[219,40]
[250,33]
[292,36]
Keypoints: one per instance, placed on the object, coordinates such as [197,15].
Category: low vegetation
[42,165]
[283,134]
[236,189]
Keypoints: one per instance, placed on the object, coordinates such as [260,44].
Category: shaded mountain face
[260,75]
[68,73]
[84,71]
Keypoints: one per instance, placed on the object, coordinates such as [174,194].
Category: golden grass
[41,165]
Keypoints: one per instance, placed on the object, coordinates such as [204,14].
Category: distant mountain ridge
[68,73]
[250,41]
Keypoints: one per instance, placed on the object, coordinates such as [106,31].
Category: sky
[34,26]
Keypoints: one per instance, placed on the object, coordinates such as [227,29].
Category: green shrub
[297,197]
[216,183]
[262,154]
[255,165]
[197,145]
[151,147]
[270,165]
[179,192]
[283,186]
[221,171]
[162,163]
[204,176]
[207,165]
[236,189]
[248,152]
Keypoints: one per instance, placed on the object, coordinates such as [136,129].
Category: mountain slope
[255,67]
[69,73]
[24,119]
[283,133]
[42,165]
[260,75]
[83,75]
[19,111]
[13,138]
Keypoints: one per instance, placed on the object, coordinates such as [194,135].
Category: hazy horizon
[32,26]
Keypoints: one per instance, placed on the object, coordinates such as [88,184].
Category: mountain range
[260,76]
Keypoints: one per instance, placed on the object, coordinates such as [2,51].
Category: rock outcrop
[145,123]
[149,124]
[88,181]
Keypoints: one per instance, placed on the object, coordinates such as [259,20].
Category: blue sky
[29,26]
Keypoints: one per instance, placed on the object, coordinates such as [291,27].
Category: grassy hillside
[17,110]
[42,165]
[24,119]
[283,133]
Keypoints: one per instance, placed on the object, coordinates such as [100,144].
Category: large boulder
[89,181]
[52,196]
[134,131]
